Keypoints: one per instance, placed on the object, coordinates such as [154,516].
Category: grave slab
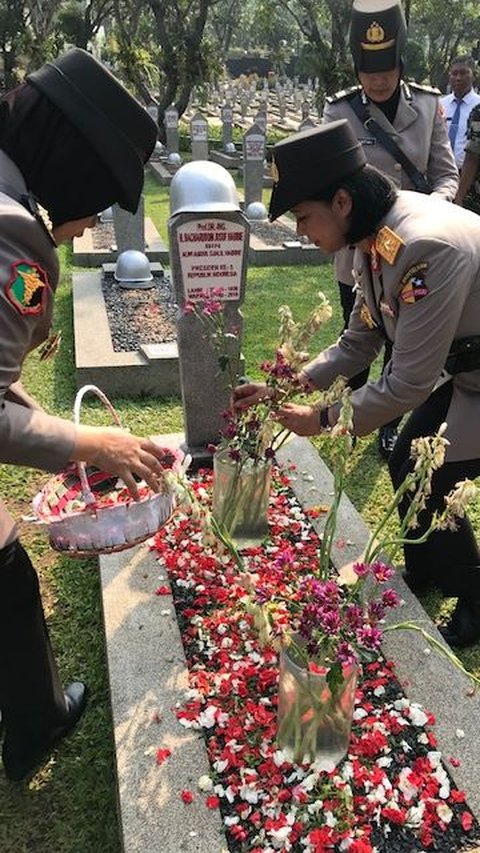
[148,674]
[86,255]
[151,371]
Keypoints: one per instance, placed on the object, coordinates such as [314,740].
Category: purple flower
[345,654]
[330,621]
[354,615]
[376,611]
[285,557]
[369,637]
[390,598]
[381,572]
[361,569]
[234,454]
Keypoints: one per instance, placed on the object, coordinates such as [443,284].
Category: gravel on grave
[275,234]
[272,233]
[137,316]
[103,236]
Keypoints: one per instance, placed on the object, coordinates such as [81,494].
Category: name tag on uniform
[367,140]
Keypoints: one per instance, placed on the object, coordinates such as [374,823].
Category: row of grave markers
[199,130]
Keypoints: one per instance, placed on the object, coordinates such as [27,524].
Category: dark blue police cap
[378,33]
[309,161]
[113,122]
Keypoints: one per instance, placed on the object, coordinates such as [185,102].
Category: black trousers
[31,695]
[450,558]
[347,300]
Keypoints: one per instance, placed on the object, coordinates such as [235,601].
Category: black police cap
[309,161]
[113,122]
[378,33]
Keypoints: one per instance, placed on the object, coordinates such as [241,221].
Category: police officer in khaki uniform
[386,113]
[76,141]
[417,268]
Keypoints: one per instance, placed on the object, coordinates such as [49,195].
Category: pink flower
[382,572]
[361,569]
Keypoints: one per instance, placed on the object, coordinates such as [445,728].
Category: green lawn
[70,806]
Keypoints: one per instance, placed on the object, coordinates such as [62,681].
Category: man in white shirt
[459,103]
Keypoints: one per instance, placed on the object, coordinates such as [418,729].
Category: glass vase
[241,492]
[313,725]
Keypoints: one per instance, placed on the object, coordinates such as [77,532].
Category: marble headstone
[253,168]
[171,129]
[199,137]
[208,250]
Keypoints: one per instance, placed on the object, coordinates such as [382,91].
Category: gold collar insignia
[388,244]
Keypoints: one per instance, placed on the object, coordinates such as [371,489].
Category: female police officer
[72,138]
[401,127]
[417,270]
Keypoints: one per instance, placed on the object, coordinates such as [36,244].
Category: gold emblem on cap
[274,172]
[375,33]
[375,36]
[388,244]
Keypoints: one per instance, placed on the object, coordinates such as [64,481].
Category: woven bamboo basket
[70,505]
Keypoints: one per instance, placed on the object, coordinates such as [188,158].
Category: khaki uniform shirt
[418,129]
[28,279]
[424,299]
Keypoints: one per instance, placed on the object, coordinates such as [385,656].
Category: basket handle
[88,496]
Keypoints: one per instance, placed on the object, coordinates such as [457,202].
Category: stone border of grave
[148,678]
[151,370]
[85,255]
[261,254]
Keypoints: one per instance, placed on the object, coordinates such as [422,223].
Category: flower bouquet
[249,439]
[328,625]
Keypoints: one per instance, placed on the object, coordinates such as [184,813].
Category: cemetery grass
[70,806]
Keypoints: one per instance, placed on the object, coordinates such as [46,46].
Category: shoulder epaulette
[421,87]
[344,93]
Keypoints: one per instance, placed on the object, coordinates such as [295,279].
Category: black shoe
[19,765]
[417,583]
[463,629]
[387,439]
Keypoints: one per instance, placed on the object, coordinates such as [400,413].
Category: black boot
[463,629]
[21,756]
[387,439]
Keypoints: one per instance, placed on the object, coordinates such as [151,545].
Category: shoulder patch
[342,94]
[413,284]
[388,244]
[27,287]
[420,87]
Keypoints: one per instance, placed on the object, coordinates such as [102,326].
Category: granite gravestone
[227,122]
[152,111]
[199,137]
[305,109]
[170,122]
[261,121]
[209,239]
[129,227]
[253,159]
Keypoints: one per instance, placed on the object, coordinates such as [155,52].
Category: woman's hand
[303,420]
[118,452]
[249,394]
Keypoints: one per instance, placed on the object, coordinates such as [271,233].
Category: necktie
[453,129]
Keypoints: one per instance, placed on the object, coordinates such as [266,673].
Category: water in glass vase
[241,492]
[313,724]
